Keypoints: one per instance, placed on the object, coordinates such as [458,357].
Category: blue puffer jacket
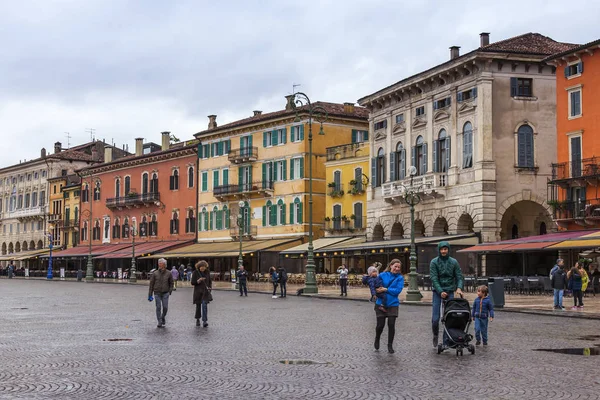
[483,308]
[575,282]
[394,284]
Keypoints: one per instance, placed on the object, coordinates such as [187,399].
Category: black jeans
[577,295]
[344,286]
[243,288]
[282,286]
[391,328]
[274,288]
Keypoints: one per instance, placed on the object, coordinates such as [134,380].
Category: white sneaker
[274,297]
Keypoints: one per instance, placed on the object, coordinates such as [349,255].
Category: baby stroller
[456,320]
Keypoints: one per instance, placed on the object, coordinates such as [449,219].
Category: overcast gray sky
[135,68]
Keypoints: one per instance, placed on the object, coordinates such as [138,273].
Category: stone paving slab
[52,344]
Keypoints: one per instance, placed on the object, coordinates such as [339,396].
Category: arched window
[84,231]
[96,232]
[125,228]
[116,229]
[280,212]
[34,199]
[27,200]
[525,146]
[145,183]
[398,163]
[296,211]
[191,177]
[97,191]
[419,156]
[154,183]
[204,219]
[118,188]
[441,152]
[379,168]
[127,185]
[213,218]
[174,228]
[85,193]
[269,214]
[174,180]
[467,145]
[153,226]
[144,227]
[190,222]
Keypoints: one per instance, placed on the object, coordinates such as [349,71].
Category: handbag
[209,298]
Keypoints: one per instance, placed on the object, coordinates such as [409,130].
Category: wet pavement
[69,340]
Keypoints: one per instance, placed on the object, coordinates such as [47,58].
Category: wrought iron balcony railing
[349,224]
[247,231]
[243,154]
[133,199]
[249,187]
[586,167]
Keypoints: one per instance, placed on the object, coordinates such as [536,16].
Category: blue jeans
[481,326]
[202,311]
[162,305]
[436,312]
[558,297]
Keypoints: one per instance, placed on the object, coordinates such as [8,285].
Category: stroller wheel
[459,352]
[471,349]
[440,348]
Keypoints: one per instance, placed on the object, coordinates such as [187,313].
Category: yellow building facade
[263,162]
[71,213]
[55,210]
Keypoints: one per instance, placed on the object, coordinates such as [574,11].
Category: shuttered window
[525,146]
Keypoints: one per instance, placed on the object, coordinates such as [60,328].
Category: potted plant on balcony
[331,184]
[353,217]
[327,219]
[344,218]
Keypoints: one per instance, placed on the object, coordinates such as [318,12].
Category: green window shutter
[291,213]
[299,213]
[205,221]
[514,91]
[199,150]
[293,133]
[204,181]
[285,135]
[220,219]
[282,216]
[225,177]
[273,215]
[264,176]
[353,135]
[284,177]
[302,167]
[212,150]
[215,179]
[240,176]
[374,172]
[249,175]
[264,216]
[301,134]
[206,151]
[250,141]
[265,139]
[220,148]
[227,219]
[365,136]
[291,169]
[274,138]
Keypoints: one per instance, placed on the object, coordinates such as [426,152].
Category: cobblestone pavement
[53,346]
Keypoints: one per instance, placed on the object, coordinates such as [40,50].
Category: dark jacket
[161,281]
[242,276]
[575,281]
[445,272]
[282,275]
[202,289]
[559,279]
[274,277]
[373,282]
[595,277]
[483,308]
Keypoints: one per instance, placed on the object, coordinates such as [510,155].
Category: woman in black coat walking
[202,288]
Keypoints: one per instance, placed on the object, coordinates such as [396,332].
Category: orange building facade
[574,188]
[152,196]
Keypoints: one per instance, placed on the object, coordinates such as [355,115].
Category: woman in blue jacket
[393,283]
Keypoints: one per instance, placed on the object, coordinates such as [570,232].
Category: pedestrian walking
[11,270]
[343,271]
[274,280]
[393,283]
[181,272]
[446,278]
[595,278]
[175,274]
[202,292]
[559,283]
[242,278]
[482,312]
[575,284]
[585,280]
[161,285]
[282,274]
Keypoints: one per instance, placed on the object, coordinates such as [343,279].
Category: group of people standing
[279,279]
[575,279]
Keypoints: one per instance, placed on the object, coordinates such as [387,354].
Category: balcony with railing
[70,223]
[339,224]
[243,154]
[582,212]
[26,213]
[248,232]
[132,200]
[428,186]
[344,151]
[54,218]
[576,172]
[335,189]
[249,189]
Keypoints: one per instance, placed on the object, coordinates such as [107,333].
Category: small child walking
[374,281]
[483,311]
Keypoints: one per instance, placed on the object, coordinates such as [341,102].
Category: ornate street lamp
[89,273]
[412,197]
[51,241]
[132,273]
[240,224]
[302,103]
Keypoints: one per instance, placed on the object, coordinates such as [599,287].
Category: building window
[297,168]
[125,228]
[215,178]
[296,211]
[269,214]
[360,136]
[397,164]
[466,95]
[174,228]
[280,172]
[154,183]
[174,180]
[190,222]
[358,177]
[574,69]
[467,145]
[297,133]
[205,181]
[153,226]
[144,227]
[575,156]
[419,156]
[204,220]
[380,125]
[20,202]
[521,87]
[36,175]
[378,168]
[525,146]
[43,174]
[441,152]
[84,231]
[420,111]
[116,229]
[96,231]
[191,177]
[127,185]
[337,217]
[27,200]
[226,216]
[280,212]
[575,103]
[358,215]
[274,137]
[145,183]
[117,188]
[97,192]
[399,118]
[337,180]
[442,103]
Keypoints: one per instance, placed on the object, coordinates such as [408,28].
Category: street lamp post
[132,273]
[51,240]
[89,273]
[301,102]
[240,224]
[412,197]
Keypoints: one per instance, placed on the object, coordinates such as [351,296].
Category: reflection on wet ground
[583,351]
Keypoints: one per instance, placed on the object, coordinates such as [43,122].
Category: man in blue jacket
[446,278]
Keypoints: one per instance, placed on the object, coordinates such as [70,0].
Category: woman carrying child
[393,283]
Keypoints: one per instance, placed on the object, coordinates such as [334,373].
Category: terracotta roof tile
[333,109]
[528,43]
[573,50]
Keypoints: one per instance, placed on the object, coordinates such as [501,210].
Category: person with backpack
[575,285]
[559,282]
[282,274]
[274,280]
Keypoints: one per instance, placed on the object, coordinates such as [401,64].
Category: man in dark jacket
[282,281]
[446,278]
[559,283]
[161,285]
[242,277]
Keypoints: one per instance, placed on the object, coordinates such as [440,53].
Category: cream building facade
[480,131]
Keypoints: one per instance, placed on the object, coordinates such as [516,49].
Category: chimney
[454,52]
[484,39]
[257,113]
[139,146]
[289,104]
[43,153]
[349,108]
[107,154]
[94,154]
[166,140]
[212,121]
[57,147]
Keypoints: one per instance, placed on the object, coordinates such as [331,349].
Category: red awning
[82,250]
[145,248]
[530,246]
[485,248]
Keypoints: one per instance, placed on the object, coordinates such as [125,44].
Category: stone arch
[525,195]
[440,227]
[419,228]
[397,231]
[24,246]
[524,218]
[4,249]
[31,245]
[465,224]
[17,247]
[378,232]
[11,248]
[40,245]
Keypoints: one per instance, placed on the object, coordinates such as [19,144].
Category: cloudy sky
[131,68]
